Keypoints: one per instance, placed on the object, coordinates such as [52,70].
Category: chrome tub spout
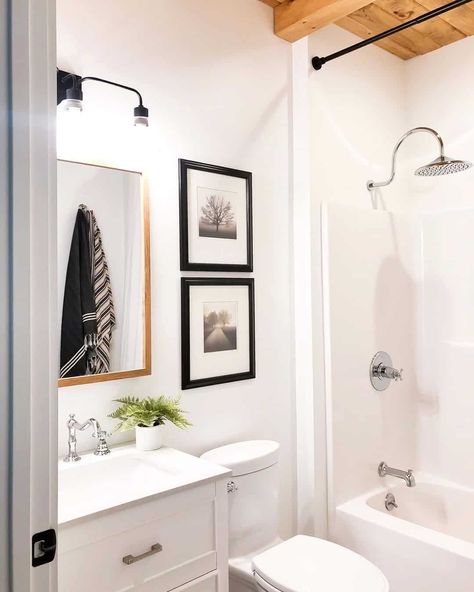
[407,476]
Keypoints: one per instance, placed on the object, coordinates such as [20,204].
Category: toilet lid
[308,564]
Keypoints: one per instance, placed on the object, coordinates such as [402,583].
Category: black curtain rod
[318,62]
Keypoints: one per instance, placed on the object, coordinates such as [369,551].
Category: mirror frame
[146,370]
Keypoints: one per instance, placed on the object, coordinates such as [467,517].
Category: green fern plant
[148,412]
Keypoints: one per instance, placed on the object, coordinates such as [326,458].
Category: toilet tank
[253,493]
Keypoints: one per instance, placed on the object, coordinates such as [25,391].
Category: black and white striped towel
[104,303]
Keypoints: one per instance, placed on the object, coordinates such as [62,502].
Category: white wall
[357,115]
[216,81]
[441,93]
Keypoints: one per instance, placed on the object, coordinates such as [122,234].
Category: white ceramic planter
[149,438]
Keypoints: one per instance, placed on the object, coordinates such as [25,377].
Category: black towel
[79,324]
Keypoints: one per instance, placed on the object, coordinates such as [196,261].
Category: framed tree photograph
[215,218]
[217,330]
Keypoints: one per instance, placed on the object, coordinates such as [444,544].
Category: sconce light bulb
[74,105]
[73,100]
[140,116]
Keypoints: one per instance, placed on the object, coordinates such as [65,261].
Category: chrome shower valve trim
[382,371]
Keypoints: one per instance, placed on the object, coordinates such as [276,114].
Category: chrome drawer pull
[129,559]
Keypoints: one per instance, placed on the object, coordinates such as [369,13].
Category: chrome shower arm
[373,185]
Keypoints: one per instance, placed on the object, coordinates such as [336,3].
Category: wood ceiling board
[437,29]
[295,19]
[388,43]
[378,20]
[461,18]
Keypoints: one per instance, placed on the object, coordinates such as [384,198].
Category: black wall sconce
[69,94]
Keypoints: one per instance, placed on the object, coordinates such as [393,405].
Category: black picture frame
[186,284]
[185,264]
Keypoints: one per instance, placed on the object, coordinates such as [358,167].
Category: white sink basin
[99,483]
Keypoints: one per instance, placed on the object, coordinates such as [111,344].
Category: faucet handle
[398,375]
[101,434]
[102,447]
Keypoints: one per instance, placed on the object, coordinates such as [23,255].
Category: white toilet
[259,559]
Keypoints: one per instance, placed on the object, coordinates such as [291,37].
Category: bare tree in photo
[217,211]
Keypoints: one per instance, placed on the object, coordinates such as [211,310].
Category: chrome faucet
[73,425]
[407,476]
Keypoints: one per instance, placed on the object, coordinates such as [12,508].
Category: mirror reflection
[102,273]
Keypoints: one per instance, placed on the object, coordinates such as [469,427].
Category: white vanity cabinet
[174,540]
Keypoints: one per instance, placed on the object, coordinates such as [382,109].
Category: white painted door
[29,206]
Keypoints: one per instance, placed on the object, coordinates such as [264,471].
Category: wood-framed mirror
[103,273]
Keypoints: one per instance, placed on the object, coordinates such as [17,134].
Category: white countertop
[99,483]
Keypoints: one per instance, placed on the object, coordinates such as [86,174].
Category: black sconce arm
[81,80]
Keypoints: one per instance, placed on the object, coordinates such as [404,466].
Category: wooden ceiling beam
[294,19]
[272,3]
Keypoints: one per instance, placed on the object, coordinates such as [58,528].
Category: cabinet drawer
[186,535]
[207,583]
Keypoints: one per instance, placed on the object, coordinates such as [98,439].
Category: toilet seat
[309,564]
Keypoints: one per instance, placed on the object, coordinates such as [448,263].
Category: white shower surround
[428,534]
[397,279]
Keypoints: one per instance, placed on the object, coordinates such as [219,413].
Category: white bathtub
[425,545]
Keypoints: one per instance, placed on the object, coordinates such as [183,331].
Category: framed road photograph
[215,218]
[217,330]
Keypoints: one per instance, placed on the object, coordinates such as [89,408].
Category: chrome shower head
[443,165]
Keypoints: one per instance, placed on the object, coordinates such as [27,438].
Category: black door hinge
[43,547]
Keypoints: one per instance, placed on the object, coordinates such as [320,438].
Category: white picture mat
[207,365]
[115,197]
[216,250]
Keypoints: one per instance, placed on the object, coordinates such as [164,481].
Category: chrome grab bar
[129,559]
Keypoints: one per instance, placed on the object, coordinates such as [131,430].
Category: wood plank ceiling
[295,19]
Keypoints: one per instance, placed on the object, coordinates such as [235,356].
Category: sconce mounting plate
[62,85]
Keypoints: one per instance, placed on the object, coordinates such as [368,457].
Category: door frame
[4,301]
[33,310]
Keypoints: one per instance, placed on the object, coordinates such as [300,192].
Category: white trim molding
[4,297]
[34,316]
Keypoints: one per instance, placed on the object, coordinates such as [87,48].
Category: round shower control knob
[399,376]
[231,487]
[390,502]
